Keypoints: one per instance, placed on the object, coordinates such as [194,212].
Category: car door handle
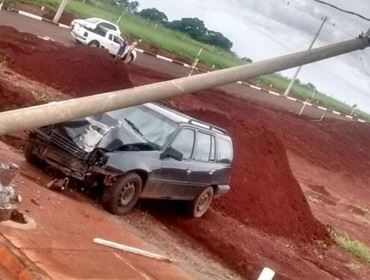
[210,172]
[188,171]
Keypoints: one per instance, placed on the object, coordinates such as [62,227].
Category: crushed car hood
[99,131]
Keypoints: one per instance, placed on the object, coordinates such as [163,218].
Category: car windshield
[153,127]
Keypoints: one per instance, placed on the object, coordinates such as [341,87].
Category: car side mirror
[172,153]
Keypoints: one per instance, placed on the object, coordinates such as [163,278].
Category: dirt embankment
[76,71]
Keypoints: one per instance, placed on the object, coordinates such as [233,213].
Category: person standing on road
[121,50]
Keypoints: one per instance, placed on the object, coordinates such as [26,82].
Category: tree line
[194,27]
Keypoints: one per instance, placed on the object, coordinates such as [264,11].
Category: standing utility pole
[324,19]
[60,11]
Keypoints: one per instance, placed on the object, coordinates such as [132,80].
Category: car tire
[28,155]
[123,195]
[94,44]
[200,205]
[129,59]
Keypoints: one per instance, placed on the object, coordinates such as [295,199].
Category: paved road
[61,35]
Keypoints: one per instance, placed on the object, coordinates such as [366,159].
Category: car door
[174,174]
[106,41]
[115,45]
[204,165]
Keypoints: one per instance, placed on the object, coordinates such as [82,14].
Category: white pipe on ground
[267,274]
[129,249]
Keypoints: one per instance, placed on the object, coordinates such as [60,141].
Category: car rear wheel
[123,195]
[201,203]
[94,44]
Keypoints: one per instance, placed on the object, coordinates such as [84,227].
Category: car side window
[184,142]
[202,147]
[224,151]
[101,31]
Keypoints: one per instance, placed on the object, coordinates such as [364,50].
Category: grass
[355,247]
[160,37]
[280,83]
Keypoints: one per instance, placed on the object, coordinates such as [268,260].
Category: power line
[342,10]
[332,22]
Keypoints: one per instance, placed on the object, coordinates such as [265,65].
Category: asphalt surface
[61,35]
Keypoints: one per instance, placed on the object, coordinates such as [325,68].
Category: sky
[262,29]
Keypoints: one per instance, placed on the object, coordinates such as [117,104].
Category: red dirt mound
[264,192]
[10,99]
[74,70]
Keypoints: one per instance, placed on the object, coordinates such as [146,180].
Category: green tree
[130,6]
[153,14]
[311,86]
[196,29]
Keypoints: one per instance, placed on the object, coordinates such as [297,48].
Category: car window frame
[119,39]
[232,150]
[196,140]
[175,136]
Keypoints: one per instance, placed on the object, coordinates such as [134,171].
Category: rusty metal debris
[58,184]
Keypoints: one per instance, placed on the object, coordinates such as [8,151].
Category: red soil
[265,194]
[77,71]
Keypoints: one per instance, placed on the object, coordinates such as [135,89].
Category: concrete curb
[38,18]
[203,70]
[16,264]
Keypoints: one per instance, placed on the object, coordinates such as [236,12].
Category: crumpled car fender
[126,161]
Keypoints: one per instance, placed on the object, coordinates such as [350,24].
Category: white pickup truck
[95,32]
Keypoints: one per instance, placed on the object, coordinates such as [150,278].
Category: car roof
[179,117]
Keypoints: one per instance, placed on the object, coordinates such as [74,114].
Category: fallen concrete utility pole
[56,112]
[131,250]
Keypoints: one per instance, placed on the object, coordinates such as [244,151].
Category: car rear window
[107,26]
[202,147]
[184,142]
[224,151]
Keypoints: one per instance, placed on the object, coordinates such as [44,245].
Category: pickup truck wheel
[128,59]
[123,195]
[94,44]
[200,205]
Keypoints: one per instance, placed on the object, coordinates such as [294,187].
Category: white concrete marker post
[267,274]
[195,63]
[131,250]
[1,5]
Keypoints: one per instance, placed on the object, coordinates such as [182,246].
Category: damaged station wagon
[145,151]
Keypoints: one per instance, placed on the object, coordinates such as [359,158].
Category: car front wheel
[201,203]
[123,195]
[28,152]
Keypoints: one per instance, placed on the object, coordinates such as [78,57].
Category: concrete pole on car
[56,112]
[59,13]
